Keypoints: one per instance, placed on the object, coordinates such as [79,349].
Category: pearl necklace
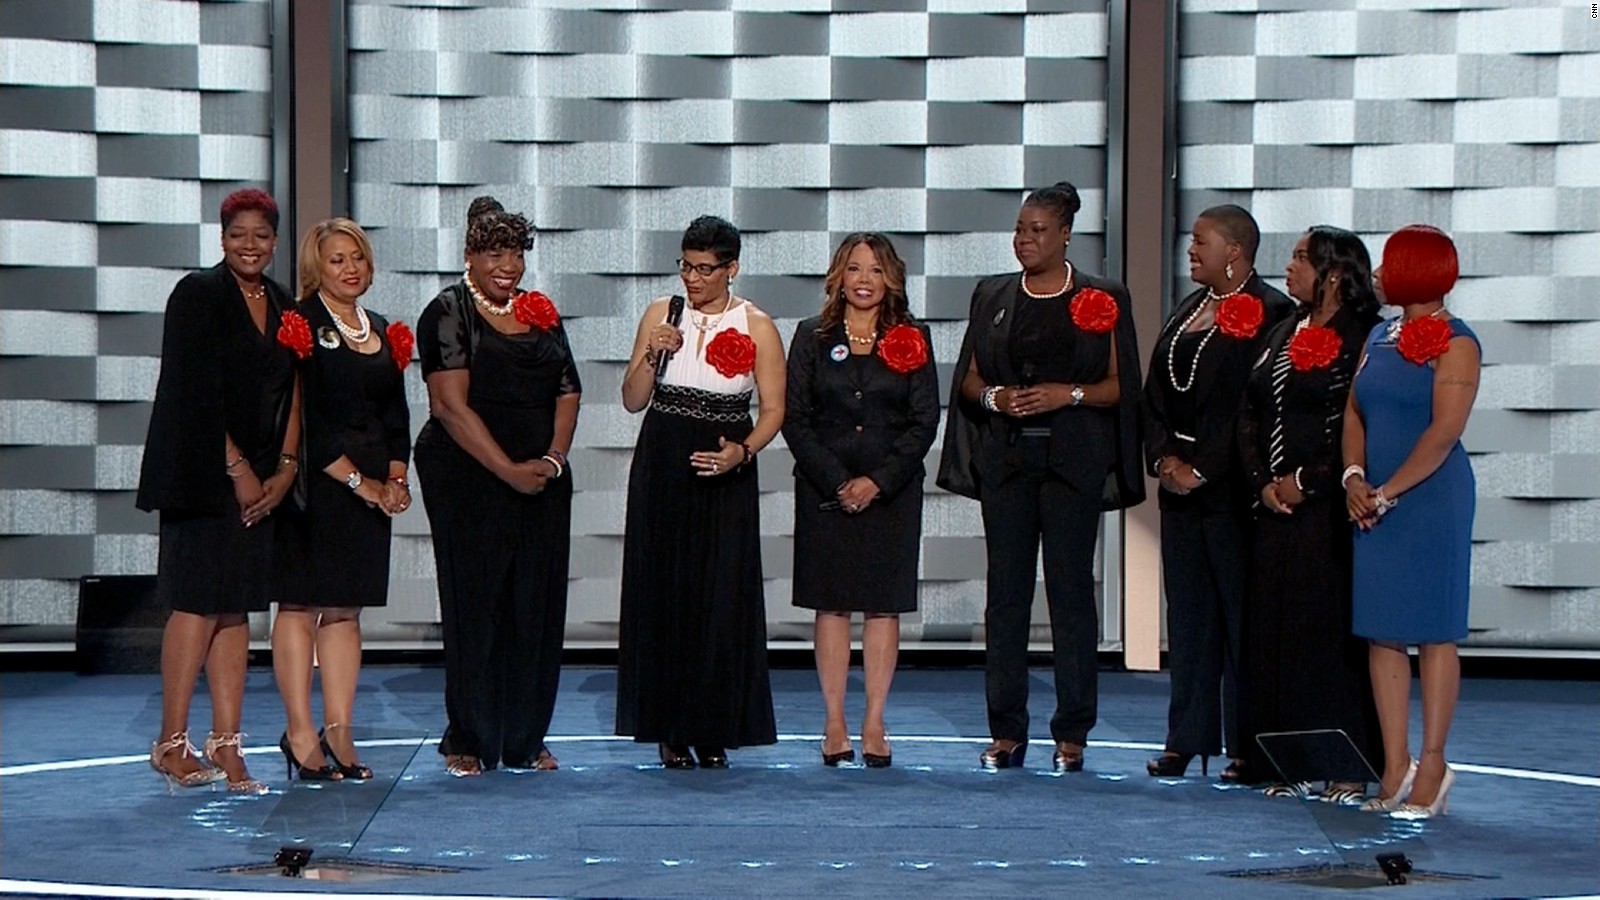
[863,341]
[706,323]
[356,336]
[1194,367]
[1065,286]
[484,303]
[259,292]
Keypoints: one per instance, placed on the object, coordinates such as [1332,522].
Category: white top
[688,367]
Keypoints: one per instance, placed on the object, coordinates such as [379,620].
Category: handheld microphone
[674,318]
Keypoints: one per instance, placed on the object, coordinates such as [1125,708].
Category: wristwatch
[353,480]
[1077,395]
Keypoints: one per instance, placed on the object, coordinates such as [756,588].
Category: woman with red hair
[220,455]
[1410,492]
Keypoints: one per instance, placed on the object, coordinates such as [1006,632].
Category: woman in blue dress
[1410,492]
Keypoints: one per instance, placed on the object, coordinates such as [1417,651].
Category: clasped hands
[1282,495]
[728,456]
[857,494]
[1034,399]
[256,498]
[529,476]
[1364,502]
[1177,476]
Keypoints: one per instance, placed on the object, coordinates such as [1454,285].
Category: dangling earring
[1227,271]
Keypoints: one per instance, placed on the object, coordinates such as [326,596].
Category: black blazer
[1311,407]
[204,387]
[1096,449]
[842,420]
[1218,391]
[333,407]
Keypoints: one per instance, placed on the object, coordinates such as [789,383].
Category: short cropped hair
[1238,226]
[715,235]
[250,199]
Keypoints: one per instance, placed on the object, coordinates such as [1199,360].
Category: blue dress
[1413,569]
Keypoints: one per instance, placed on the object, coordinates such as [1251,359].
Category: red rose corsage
[1094,311]
[1314,347]
[535,309]
[295,333]
[903,350]
[732,353]
[1424,339]
[1240,316]
[401,343]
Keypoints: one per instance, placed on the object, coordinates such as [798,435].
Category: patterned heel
[234,739]
[180,741]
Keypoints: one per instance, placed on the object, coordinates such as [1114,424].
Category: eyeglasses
[704,270]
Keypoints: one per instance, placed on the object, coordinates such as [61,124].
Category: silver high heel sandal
[1440,805]
[180,741]
[233,739]
[1389,804]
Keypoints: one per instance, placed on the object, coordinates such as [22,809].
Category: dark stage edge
[78,804]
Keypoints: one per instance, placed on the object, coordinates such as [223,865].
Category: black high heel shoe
[357,772]
[876,761]
[675,757]
[843,756]
[326,773]
[996,756]
[712,757]
[1173,765]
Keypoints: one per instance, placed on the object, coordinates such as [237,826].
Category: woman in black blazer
[1198,370]
[863,410]
[219,458]
[1043,430]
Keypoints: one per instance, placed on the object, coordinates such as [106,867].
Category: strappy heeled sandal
[180,741]
[234,739]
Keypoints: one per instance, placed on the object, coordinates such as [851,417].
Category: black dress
[353,405]
[219,376]
[692,647]
[501,555]
[1043,482]
[1191,405]
[849,415]
[1304,668]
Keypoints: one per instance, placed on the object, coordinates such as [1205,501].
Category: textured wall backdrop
[123,123]
[612,128]
[1483,119]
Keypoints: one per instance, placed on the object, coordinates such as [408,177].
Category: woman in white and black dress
[692,654]
[863,408]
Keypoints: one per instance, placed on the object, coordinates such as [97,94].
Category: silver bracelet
[1349,472]
[988,398]
[1297,485]
[554,462]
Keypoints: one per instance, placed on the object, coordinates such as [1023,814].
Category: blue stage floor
[79,805]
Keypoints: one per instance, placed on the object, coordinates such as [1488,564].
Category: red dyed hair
[247,199]
[1419,266]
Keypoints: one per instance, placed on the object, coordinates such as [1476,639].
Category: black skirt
[692,651]
[213,565]
[857,562]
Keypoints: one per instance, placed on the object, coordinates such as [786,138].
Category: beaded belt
[696,403]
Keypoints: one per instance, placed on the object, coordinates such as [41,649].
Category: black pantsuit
[1191,405]
[1044,482]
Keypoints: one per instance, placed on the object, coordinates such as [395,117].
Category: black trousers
[503,606]
[1029,508]
[1203,568]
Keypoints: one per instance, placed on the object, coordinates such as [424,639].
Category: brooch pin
[1000,316]
[839,352]
[328,337]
